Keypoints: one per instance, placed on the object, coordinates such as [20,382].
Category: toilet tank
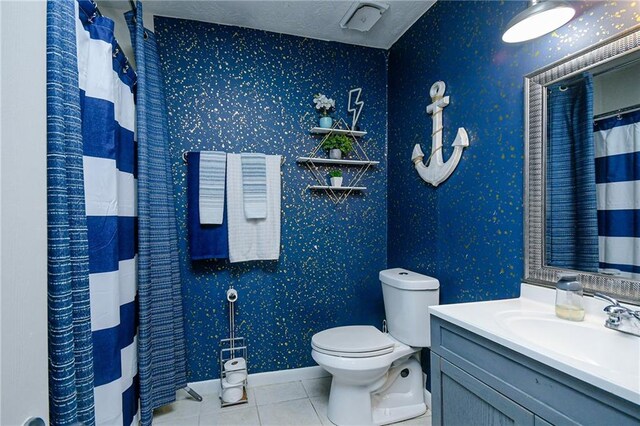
[407,297]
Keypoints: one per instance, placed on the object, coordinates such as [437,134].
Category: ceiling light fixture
[540,18]
[363,15]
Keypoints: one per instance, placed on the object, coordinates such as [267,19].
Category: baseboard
[274,377]
[266,378]
[427,398]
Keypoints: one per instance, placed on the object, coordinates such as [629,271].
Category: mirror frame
[535,270]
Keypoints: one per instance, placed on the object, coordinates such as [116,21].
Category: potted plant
[335,176]
[324,106]
[338,145]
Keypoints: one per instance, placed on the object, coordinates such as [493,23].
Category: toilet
[377,377]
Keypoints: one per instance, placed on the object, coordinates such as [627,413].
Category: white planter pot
[336,182]
[335,154]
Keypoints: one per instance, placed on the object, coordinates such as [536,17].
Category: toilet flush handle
[384,325]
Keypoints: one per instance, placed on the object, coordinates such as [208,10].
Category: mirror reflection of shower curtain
[617,154]
[571,234]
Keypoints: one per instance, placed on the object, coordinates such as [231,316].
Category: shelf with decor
[324,131]
[338,188]
[318,160]
[338,140]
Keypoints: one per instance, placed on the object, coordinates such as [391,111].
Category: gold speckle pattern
[242,90]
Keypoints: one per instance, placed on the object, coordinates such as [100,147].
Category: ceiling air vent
[363,15]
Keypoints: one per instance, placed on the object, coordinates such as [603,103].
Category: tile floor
[299,403]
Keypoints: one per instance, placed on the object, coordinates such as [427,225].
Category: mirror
[582,171]
[592,205]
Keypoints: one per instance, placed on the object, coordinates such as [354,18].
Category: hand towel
[205,241]
[253,239]
[211,187]
[254,185]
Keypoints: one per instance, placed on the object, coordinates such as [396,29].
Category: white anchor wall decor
[438,171]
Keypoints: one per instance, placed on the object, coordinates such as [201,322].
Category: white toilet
[377,378]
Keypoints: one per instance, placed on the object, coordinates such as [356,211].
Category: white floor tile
[317,387]
[295,413]
[273,405]
[246,416]
[320,404]
[177,410]
[279,393]
[176,421]
[182,394]
[423,420]
[211,403]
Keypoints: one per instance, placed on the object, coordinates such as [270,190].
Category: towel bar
[184,158]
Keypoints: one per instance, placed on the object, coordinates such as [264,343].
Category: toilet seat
[355,341]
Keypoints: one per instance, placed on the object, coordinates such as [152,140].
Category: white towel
[253,239]
[211,187]
[254,185]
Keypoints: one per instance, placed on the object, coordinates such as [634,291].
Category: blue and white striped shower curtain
[617,153]
[109,162]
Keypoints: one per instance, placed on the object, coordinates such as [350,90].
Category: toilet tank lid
[407,280]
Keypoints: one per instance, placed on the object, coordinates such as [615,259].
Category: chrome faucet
[620,318]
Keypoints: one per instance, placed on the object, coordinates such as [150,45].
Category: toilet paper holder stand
[231,348]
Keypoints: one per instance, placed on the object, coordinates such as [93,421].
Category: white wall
[23,204]
[23,212]
[616,89]
[122,31]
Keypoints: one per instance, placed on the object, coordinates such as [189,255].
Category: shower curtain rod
[616,112]
[184,157]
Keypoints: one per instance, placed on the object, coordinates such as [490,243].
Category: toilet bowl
[377,377]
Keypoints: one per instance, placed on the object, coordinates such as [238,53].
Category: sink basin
[584,342]
[586,350]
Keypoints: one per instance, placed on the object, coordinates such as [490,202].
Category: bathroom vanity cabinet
[475,381]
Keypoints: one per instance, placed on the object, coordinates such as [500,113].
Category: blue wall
[241,90]
[469,231]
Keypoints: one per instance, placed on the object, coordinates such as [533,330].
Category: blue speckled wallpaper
[469,231]
[242,90]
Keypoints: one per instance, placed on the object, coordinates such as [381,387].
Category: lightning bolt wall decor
[355,106]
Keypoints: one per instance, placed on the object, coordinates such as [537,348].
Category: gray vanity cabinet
[475,381]
[467,401]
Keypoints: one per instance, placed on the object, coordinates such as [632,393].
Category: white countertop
[586,350]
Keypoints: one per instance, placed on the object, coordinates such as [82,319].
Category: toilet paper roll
[232,295]
[236,377]
[232,394]
[235,364]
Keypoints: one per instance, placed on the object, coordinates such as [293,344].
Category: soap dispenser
[569,303]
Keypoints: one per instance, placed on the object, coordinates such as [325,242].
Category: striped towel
[254,185]
[211,187]
[205,241]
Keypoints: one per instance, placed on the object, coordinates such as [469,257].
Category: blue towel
[205,241]
[254,185]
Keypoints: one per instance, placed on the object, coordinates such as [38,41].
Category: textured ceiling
[314,19]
